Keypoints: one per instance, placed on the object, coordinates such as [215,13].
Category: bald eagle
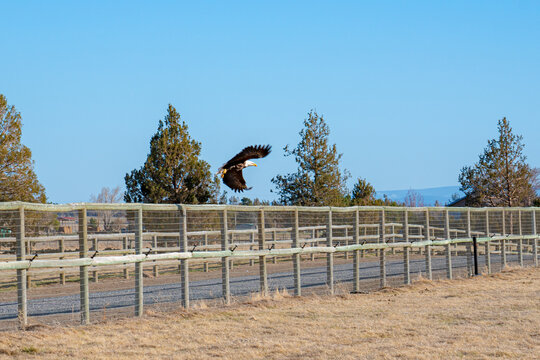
[231,171]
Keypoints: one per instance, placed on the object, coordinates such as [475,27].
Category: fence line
[306,230]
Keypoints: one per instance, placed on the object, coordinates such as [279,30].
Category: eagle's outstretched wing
[235,180]
[250,152]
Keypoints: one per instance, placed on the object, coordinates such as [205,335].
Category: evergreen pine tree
[318,180]
[18,181]
[501,177]
[363,193]
[173,172]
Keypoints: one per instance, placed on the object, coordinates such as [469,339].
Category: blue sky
[411,91]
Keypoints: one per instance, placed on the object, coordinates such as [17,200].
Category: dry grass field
[486,317]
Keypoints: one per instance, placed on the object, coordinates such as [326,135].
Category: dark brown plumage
[231,171]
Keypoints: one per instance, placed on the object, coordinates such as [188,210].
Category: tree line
[174,172]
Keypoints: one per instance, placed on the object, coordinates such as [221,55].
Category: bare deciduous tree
[108,218]
[414,199]
[536,179]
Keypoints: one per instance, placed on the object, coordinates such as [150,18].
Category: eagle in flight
[231,171]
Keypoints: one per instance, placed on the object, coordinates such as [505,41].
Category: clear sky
[411,90]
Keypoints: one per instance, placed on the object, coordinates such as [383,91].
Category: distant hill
[441,194]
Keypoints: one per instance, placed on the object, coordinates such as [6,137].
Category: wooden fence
[224,233]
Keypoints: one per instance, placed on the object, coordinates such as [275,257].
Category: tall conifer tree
[363,193]
[501,177]
[173,172]
[318,181]
[18,181]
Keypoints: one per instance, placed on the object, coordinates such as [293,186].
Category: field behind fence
[220,251]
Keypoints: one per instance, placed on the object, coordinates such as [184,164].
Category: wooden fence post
[28,275]
[329,256]
[503,253]
[83,253]
[22,312]
[356,261]
[225,272]
[488,256]
[184,263]
[535,240]
[428,249]
[429,271]
[381,252]
[62,249]
[346,255]
[125,246]
[503,222]
[382,228]
[446,224]
[520,228]
[155,246]
[448,247]
[251,240]
[487,223]
[263,275]
[95,272]
[296,257]
[205,265]
[448,261]
[139,296]
[520,241]
[313,234]
[393,239]
[487,247]
[503,242]
[363,252]
[406,266]
[28,246]
[274,239]
[231,261]
[382,267]
[406,250]
[28,280]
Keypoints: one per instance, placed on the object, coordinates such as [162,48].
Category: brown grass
[486,317]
